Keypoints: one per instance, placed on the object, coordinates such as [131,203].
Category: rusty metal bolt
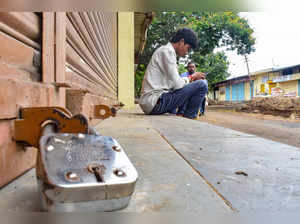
[116,148]
[102,112]
[119,173]
[71,176]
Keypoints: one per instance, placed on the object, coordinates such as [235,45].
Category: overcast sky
[277,41]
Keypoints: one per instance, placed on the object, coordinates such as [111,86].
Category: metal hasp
[32,120]
[103,111]
[81,172]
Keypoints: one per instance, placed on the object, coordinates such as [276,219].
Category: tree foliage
[215,65]
[214,29]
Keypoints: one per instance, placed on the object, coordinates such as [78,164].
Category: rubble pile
[283,106]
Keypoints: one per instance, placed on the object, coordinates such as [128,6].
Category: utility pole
[250,82]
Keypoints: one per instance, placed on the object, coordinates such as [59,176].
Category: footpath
[190,166]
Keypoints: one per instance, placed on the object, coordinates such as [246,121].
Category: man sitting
[163,89]
[191,67]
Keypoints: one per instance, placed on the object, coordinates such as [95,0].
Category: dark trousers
[189,98]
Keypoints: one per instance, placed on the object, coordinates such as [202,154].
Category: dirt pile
[283,106]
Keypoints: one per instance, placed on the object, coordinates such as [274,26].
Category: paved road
[266,126]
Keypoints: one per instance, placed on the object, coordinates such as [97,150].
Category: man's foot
[179,115]
[192,118]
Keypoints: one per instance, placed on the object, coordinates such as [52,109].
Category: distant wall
[126,58]
[288,87]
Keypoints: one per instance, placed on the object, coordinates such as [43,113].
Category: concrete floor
[186,165]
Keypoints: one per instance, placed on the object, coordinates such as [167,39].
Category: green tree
[181,68]
[139,76]
[214,29]
[215,65]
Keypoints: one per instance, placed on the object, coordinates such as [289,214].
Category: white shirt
[161,76]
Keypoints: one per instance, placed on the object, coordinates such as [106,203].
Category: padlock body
[66,176]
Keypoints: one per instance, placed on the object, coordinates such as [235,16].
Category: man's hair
[191,62]
[189,36]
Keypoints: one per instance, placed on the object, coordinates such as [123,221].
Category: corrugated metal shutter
[92,51]
[238,92]
[227,93]
[234,92]
[23,26]
[241,91]
[20,44]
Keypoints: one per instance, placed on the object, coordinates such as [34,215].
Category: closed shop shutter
[92,52]
[238,92]
[23,26]
[20,44]
[241,91]
[228,93]
[235,92]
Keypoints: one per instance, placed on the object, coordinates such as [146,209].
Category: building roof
[233,80]
[283,68]
[262,71]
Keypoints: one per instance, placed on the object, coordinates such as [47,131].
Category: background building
[269,82]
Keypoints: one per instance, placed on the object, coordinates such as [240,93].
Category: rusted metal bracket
[32,120]
[103,111]
[61,85]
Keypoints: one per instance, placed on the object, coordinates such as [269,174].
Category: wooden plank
[60,47]
[48,62]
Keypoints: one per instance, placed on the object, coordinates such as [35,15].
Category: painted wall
[247,91]
[126,58]
[221,97]
[260,79]
[291,86]
[233,92]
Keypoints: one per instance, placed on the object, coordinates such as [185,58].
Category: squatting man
[163,90]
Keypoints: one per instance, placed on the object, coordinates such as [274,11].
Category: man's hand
[197,76]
